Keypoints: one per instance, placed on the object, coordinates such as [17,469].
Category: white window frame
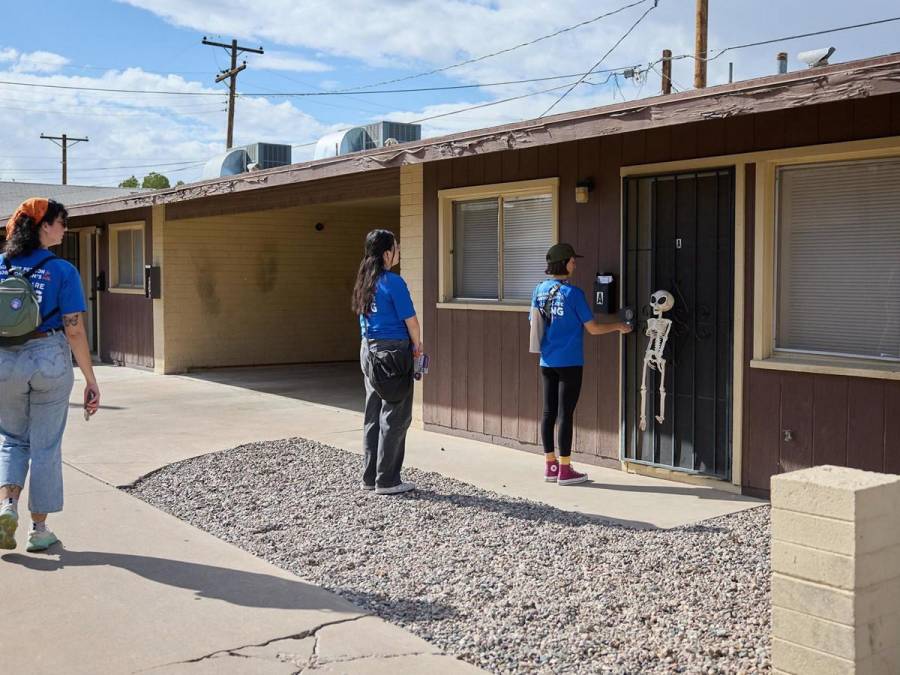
[765,295]
[777,299]
[447,199]
[114,231]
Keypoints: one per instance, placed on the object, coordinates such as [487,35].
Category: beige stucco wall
[263,287]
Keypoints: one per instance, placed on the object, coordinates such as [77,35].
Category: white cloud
[275,60]
[130,130]
[38,62]
[408,36]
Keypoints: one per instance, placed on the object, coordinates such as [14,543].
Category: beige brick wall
[412,255]
[264,287]
[835,572]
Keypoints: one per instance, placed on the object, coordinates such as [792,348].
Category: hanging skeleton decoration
[658,332]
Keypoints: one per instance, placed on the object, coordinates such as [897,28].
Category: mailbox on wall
[152,282]
[604,298]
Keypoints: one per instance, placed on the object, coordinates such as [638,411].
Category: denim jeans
[385,427]
[36,379]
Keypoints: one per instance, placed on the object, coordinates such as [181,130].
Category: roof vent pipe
[782,63]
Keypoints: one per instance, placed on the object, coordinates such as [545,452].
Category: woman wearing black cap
[562,357]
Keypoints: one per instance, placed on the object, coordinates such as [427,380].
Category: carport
[214,276]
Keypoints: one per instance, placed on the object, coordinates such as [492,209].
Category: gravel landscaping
[510,585]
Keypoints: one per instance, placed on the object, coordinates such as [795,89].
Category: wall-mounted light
[583,188]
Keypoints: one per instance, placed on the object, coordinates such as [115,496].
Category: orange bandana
[35,208]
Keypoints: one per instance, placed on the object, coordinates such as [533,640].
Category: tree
[129,183]
[155,181]
[181,182]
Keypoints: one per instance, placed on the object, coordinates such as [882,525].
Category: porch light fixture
[583,188]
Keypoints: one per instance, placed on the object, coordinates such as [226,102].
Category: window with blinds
[527,234]
[838,269]
[129,258]
[475,246]
[499,246]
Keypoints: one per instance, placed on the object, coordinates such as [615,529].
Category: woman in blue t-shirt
[562,358]
[36,371]
[391,338]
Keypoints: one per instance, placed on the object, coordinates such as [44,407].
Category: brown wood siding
[502,401]
[846,421]
[126,320]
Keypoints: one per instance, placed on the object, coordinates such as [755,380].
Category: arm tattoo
[71,319]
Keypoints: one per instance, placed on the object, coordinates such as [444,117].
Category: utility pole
[667,71]
[700,47]
[63,142]
[231,75]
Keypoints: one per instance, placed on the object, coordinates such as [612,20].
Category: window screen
[130,258]
[839,259]
[527,234]
[475,249]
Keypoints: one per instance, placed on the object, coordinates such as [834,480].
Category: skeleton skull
[661,301]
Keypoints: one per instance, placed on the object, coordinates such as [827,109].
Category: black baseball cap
[561,253]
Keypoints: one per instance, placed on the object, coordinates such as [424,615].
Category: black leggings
[562,386]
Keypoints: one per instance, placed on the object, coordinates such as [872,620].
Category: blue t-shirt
[56,283]
[391,307]
[563,343]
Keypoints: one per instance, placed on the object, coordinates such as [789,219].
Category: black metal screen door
[679,237]
[69,249]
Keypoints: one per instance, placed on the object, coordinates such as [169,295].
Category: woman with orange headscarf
[36,375]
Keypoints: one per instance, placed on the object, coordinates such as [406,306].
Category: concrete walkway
[132,589]
[149,421]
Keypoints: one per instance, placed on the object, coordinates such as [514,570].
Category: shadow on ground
[338,385]
[247,589]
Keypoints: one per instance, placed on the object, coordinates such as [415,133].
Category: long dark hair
[26,235]
[378,242]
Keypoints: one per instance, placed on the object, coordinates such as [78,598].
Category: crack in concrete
[379,657]
[312,632]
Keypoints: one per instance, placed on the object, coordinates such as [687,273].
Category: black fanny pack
[389,370]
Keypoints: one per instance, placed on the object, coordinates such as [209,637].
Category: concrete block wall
[263,287]
[412,255]
[836,572]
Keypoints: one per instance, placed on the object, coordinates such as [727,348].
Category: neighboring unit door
[679,237]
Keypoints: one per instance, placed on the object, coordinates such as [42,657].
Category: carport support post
[158,231]
[412,256]
[835,572]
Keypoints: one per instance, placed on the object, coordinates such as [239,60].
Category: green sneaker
[9,521]
[40,541]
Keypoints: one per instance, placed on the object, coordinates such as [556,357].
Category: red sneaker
[551,471]
[569,476]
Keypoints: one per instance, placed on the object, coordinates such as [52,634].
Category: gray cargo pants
[386,424]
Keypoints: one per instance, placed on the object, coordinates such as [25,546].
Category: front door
[679,238]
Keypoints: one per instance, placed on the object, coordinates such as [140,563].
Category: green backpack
[20,309]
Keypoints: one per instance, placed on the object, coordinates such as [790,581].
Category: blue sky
[319,45]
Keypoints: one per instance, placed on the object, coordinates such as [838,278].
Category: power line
[477,107]
[452,87]
[109,113]
[110,168]
[108,172]
[508,49]
[111,90]
[602,59]
[361,90]
[803,35]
